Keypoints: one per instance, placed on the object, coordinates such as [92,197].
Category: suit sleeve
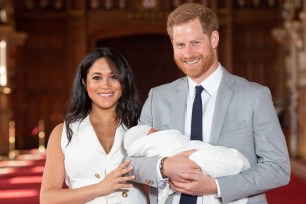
[273,165]
[145,168]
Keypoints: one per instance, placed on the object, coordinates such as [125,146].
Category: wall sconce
[3,68]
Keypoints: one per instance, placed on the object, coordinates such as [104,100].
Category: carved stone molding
[293,37]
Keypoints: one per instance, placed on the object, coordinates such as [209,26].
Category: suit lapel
[179,103]
[224,96]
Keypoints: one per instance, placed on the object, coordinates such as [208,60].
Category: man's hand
[199,184]
[179,164]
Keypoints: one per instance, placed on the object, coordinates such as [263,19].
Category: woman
[87,149]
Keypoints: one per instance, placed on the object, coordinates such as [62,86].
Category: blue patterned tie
[196,134]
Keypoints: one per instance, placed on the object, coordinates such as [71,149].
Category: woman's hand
[116,180]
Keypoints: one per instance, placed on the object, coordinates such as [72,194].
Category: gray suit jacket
[244,118]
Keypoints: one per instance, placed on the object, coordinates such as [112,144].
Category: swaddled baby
[215,161]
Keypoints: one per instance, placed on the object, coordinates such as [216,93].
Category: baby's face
[152,130]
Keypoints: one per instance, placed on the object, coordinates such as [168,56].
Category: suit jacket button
[124,194]
[149,182]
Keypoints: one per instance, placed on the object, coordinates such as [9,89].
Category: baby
[215,161]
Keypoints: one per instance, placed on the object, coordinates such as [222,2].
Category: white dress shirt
[210,85]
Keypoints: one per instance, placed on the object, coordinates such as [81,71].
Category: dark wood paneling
[41,84]
[255,51]
[150,57]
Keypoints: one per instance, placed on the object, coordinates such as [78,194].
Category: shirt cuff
[161,182]
[218,195]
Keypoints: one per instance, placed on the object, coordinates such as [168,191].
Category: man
[236,113]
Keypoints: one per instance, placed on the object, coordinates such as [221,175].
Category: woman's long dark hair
[79,104]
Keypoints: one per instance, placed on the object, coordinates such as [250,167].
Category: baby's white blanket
[216,161]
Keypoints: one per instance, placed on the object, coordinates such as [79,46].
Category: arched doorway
[150,57]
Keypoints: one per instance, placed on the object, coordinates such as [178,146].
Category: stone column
[11,39]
